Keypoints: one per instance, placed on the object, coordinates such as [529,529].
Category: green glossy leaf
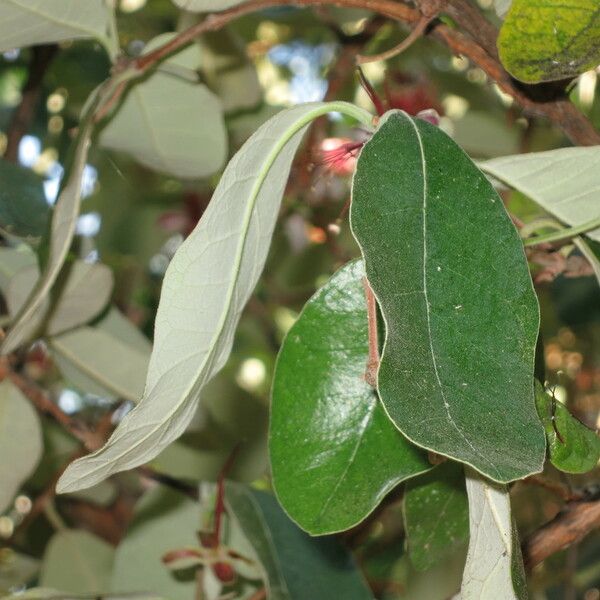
[206,5]
[297,565]
[550,39]
[169,123]
[436,515]
[23,207]
[573,448]
[19,422]
[77,562]
[563,182]
[449,271]
[204,291]
[494,567]
[164,520]
[334,452]
[109,358]
[16,570]
[82,295]
[32,22]
[60,236]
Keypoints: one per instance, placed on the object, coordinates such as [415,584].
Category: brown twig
[406,43]
[555,487]
[39,398]
[568,527]
[41,57]
[429,9]
[476,42]
[373,362]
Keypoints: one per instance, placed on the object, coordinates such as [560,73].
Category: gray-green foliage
[164,520]
[221,262]
[60,235]
[107,358]
[206,5]
[20,441]
[31,22]
[81,295]
[494,568]
[77,561]
[563,182]
[170,122]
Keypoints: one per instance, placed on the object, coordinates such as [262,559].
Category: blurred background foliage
[133,219]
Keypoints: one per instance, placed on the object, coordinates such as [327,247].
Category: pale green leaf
[20,441]
[169,123]
[228,70]
[62,228]
[334,452]
[227,418]
[205,289]
[103,494]
[39,593]
[80,296]
[550,39]
[564,182]
[494,567]
[13,260]
[77,561]
[482,134]
[439,582]
[32,22]
[448,269]
[296,564]
[16,569]
[109,358]
[164,520]
[206,5]
[502,7]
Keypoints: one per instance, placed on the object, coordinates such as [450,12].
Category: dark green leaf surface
[448,268]
[577,450]
[436,515]
[334,452]
[297,565]
[23,207]
[550,39]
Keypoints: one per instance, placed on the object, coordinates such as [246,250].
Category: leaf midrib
[428,305]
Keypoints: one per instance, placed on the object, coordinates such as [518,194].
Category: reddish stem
[373,362]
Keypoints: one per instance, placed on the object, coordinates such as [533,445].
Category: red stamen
[340,159]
